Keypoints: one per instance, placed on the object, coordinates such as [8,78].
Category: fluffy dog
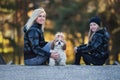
[58,45]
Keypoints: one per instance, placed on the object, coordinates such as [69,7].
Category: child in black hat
[96,51]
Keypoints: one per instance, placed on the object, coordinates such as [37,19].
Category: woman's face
[41,18]
[94,27]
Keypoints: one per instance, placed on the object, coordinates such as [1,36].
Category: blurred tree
[68,16]
[14,15]
[72,16]
[111,19]
[7,9]
[18,21]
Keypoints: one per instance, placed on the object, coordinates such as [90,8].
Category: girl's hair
[33,17]
[90,34]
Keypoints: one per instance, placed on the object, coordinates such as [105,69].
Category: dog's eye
[61,41]
[57,40]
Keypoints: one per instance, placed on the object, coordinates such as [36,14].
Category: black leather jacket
[98,46]
[34,41]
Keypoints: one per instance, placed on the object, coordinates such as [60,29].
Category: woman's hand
[54,55]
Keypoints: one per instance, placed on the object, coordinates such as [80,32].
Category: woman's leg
[47,47]
[39,60]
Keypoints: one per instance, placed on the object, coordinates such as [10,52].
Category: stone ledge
[68,72]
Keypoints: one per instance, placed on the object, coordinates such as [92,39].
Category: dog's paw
[62,63]
[51,62]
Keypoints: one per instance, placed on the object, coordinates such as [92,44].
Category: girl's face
[94,27]
[41,18]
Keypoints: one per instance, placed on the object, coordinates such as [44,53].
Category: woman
[36,50]
[96,51]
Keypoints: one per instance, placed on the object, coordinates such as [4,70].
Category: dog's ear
[52,45]
[64,47]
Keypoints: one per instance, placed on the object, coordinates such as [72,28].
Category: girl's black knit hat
[95,19]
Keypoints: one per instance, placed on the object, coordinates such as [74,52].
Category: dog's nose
[59,43]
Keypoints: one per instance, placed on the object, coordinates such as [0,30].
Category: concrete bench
[68,72]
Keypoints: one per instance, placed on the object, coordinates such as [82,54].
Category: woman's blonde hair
[33,17]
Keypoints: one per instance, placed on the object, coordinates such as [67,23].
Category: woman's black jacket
[98,47]
[33,42]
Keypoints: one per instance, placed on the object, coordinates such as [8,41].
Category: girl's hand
[75,49]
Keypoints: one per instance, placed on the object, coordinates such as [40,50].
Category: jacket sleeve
[94,44]
[33,36]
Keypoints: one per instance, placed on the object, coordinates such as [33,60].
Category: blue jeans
[39,60]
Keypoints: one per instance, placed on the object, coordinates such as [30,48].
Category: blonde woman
[96,51]
[36,49]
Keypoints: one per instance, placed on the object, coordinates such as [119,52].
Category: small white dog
[58,45]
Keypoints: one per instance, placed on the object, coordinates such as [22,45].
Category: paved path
[69,72]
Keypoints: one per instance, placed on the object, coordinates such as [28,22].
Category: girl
[96,51]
